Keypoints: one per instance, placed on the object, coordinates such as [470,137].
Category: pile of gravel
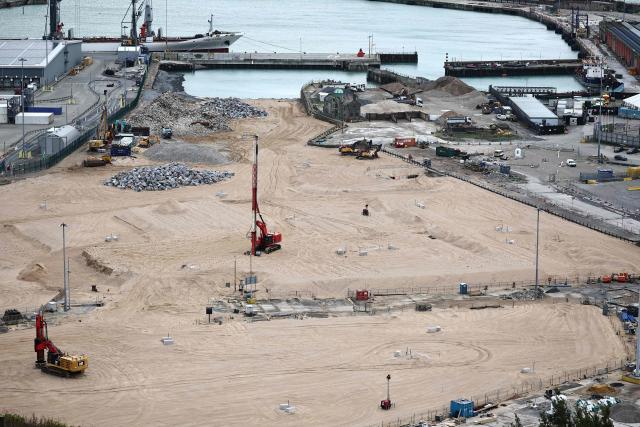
[165,177]
[188,116]
[185,152]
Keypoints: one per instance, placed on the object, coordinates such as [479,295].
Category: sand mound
[184,152]
[602,389]
[452,85]
[96,264]
[33,273]
[171,207]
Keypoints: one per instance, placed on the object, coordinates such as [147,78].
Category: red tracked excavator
[267,242]
[57,362]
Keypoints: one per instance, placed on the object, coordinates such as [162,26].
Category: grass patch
[14,420]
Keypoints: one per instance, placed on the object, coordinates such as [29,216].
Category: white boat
[219,42]
[212,41]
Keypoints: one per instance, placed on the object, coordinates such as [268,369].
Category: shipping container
[451,152]
[120,150]
[405,142]
[55,110]
[34,118]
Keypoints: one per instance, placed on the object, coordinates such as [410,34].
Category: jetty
[297,61]
[511,68]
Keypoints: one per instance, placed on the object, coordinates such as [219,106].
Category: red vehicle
[267,242]
[404,142]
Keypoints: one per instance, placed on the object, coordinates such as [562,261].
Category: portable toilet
[461,408]
[464,289]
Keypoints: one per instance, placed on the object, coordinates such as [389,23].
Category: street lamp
[21,59]
[537,246]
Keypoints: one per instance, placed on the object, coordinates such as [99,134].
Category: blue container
[605,173]
[57,111]
[120,150]
[464,288]
[461,408]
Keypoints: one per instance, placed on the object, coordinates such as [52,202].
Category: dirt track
[176,249]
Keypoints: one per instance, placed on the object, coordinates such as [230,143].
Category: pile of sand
[452,85]
[33,273]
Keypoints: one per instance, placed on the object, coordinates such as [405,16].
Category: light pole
[22,99]
[537,246]
[65,273]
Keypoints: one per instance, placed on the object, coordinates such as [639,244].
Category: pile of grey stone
[525,295]
[165,177]
[188,116]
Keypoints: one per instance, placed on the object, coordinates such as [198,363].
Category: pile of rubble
[525,295]
[190,116]
[165,177]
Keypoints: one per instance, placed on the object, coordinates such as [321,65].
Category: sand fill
[176,250]
[332,370]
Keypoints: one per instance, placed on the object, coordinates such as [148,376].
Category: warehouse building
[623,39]
[45,61]
[534,110]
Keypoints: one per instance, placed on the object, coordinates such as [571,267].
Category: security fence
[90,127]
[519,390]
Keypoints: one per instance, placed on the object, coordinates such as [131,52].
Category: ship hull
[214,43]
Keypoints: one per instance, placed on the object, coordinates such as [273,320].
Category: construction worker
[365,211]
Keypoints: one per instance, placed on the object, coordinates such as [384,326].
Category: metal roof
[633,101]
[532,107]
[33,50]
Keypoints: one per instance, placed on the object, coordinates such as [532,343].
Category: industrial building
[533,111]
[45,61]
[623,39]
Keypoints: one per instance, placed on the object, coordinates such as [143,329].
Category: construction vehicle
[355,147]
[400,142]
[369,154]
[92,162]
[167,132]
[148,141]
[57,361]
[362,149]
[267,242]
[386,403]
[104,134]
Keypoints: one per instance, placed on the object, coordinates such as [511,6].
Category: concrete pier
[297,61]
[511,68]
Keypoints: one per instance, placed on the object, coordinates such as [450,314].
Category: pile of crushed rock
[165,177]
[188,116]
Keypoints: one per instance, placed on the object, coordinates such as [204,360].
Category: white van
[571,163]
[498,153]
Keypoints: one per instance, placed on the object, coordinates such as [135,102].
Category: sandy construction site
[332,370]
[176,249]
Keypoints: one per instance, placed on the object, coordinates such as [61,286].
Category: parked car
[633,150]
[501,116]
[571,163]
[618,149]
[620,157]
